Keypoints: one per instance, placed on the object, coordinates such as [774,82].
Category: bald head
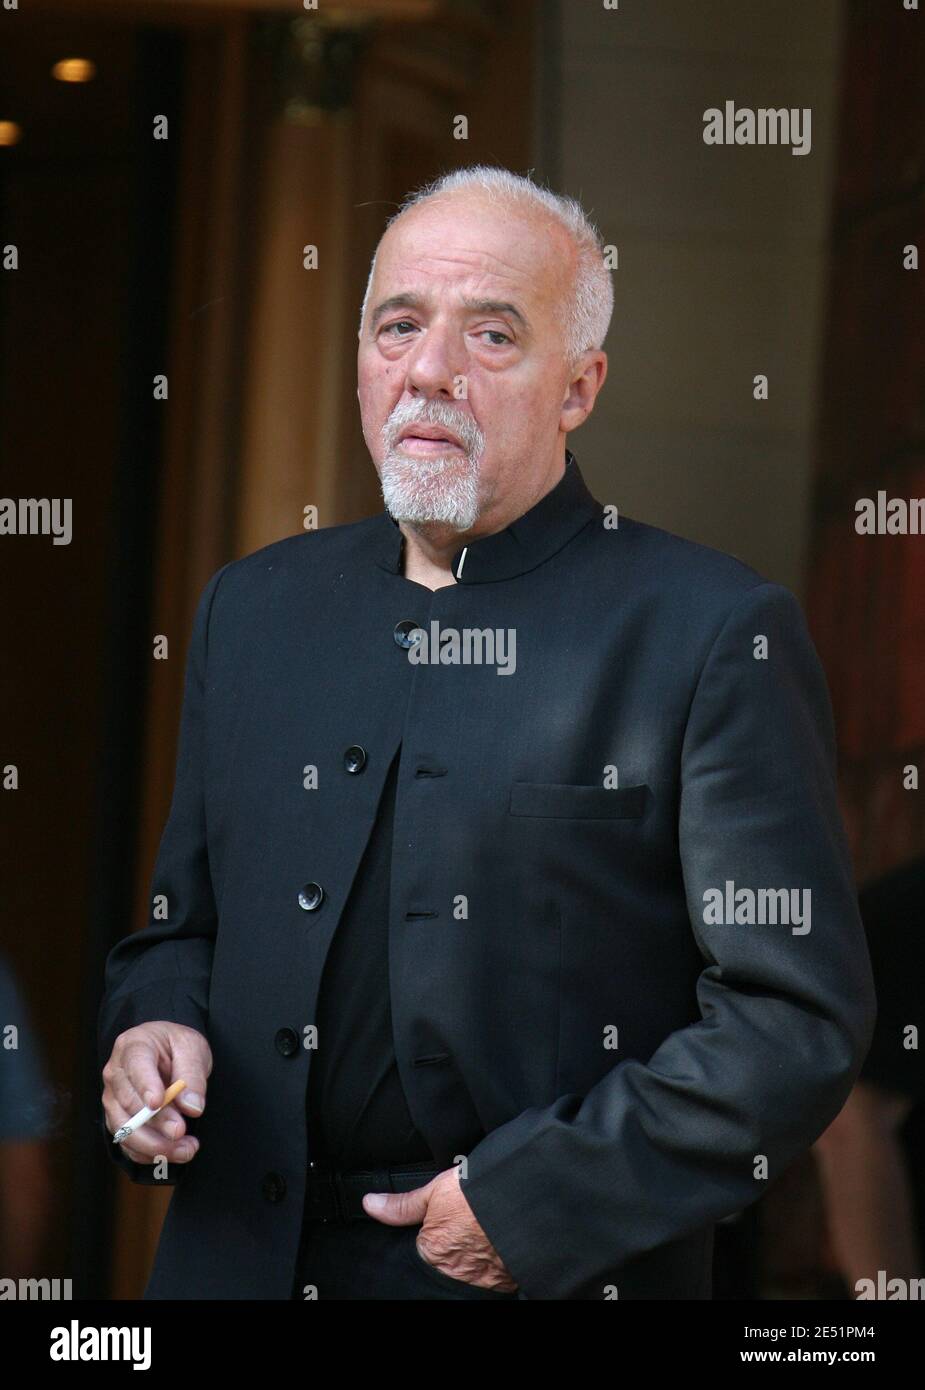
[587,288]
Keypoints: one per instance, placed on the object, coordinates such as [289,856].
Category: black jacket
[617,1072]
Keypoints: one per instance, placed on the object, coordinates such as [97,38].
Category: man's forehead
[506,256]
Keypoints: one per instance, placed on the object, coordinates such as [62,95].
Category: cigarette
[145,1113]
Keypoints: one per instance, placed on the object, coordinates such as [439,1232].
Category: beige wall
[722,257]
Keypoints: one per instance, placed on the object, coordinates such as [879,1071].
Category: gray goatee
[444,488]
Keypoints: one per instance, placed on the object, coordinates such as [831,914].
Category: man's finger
[146,1145]
[192,1059]
[173,1154]
[399,1208]
[120,1090]
[139,1062]
[168,1122]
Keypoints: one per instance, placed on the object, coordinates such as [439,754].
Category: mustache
[439,414]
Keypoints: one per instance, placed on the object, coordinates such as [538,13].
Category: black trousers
[362,1258]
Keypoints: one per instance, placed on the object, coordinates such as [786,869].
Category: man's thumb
[398,1208]
[188,1063]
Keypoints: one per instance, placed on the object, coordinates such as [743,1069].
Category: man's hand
[144,1061]
[453,1241]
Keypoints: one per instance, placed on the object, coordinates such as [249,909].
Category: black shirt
[357,1112]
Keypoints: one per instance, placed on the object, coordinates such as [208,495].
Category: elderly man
[544,793]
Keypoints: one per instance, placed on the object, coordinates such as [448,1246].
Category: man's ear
[588,376]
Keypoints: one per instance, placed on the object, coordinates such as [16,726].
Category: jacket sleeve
[163,971]
[658,1150]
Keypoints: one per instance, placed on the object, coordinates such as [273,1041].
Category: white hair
[590,308]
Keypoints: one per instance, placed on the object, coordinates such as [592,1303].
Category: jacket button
[286,1042]
[310,897]
[407,633]
[273,1187]
[355,758]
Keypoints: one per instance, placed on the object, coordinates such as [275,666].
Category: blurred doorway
[170,362]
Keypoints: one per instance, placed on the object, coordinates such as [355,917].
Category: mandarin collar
[535,536]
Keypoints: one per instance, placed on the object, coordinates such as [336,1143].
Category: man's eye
[499,339]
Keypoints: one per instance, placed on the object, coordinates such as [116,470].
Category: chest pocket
[568,801]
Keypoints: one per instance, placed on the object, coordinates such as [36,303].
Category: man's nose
[435,366]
